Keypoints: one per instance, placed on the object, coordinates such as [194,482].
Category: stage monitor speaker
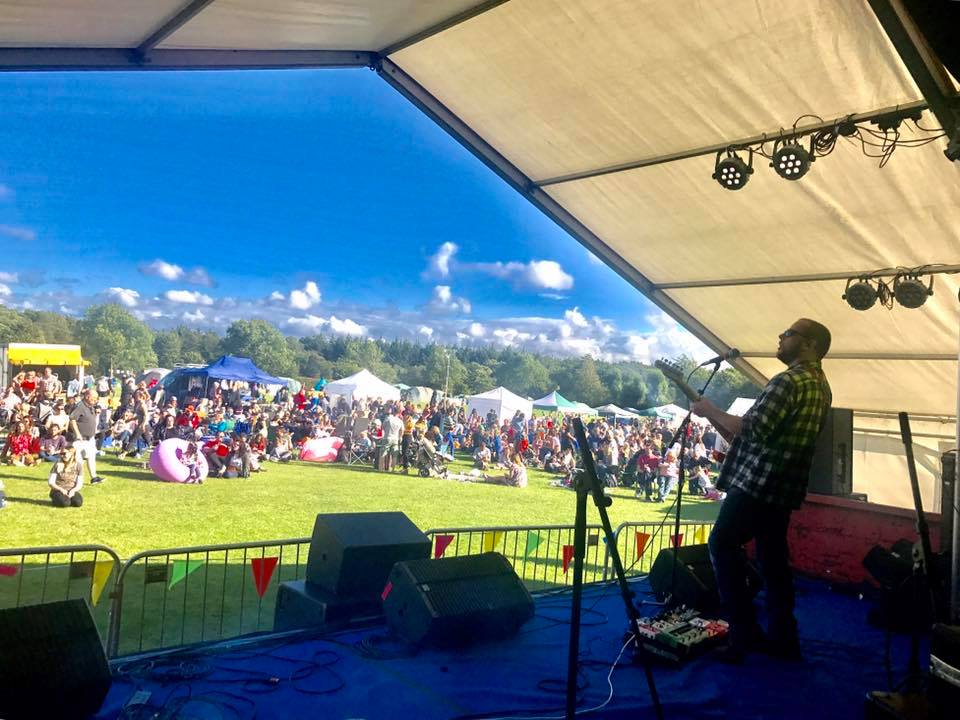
[52,663]
[696,584]
[302,605]
[455,601]
[831,472]
[351,553]
[948,498]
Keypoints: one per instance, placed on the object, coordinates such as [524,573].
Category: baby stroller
[429,461]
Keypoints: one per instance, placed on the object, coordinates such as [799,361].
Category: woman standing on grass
[65,480]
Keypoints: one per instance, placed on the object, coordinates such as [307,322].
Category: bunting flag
[567,557]
[491,540]
[700,536]
[593,539]
[182,568]
[8,570]
[82,569]
[642,538]
[533,542]
[262,572]
[101,573]
[441,545]
[676,540]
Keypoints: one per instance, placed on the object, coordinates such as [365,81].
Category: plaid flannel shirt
[771,456]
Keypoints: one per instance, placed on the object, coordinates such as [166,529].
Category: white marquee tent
[609,117]
[501,401]
[362,385]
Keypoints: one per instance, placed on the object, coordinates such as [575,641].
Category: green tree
[112,338]
[479,378]
[584,384]
[524,374]
[361,353]
[168,347]
[444,368]
[261,342]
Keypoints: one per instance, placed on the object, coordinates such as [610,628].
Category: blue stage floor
[365,674]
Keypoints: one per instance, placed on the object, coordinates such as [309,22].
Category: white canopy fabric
[586,108]
[501,401]
[362,385]
[614,410]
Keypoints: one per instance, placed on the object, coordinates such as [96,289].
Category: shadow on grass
[29,501]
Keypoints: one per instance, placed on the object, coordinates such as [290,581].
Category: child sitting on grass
[66,479]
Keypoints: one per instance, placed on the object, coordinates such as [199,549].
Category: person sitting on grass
[190,460]
[481,456]
[17,449]
[66,479]
[282,447]
[52,446]
[516,475]
[216,451]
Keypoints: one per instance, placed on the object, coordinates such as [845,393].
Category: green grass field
[132,512]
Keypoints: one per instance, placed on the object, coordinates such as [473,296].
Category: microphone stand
[681,433]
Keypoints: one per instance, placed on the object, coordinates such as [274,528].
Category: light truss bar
[813,277]
[924,67]
[77,59]
[919,417]
[949,357]
[466,136]
[733,144]
[429,32]
[185,15]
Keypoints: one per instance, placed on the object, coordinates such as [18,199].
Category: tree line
[115,340]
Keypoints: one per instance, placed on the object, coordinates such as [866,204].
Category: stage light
[731,172]
[910,291]
[860,295]
[790,161]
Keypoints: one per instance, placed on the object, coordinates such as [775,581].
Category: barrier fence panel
[180,596]
[542,556]
[640,543]
[29,576]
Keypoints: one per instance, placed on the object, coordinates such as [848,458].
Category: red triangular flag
[567,557]
[8,570]
[262,572]
[676,540]
[642,538]
[387,589]
[442,542]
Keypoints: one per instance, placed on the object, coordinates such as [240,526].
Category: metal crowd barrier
[29,576]
[179,596]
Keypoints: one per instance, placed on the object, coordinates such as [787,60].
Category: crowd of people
[240,427]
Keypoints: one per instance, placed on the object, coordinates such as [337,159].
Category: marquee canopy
[608,116]
[362,385]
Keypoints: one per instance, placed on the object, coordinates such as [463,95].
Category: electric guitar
[674,374]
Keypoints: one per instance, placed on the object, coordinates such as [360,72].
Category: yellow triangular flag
[101,573]
[491,540]
[700,537]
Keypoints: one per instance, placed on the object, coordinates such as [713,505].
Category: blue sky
[319,200]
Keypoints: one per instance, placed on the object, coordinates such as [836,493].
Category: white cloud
[5,291]
[126,296]
[277,296]
[346,326]
[197,316]
[8,277]
[575,317]
[308,323]
[199,276]
[190,297]
[440,261]
[163,269]
[443,301]
[537,274]
[508,336]
[425,330]
[18,232]
[306,298]
[477,330]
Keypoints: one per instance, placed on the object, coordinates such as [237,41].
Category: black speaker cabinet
[455,601]
[302,605]
[948,498]
[831,472]
[52,663]
[696,585]
[351,553]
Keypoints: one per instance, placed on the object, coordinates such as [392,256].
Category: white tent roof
[363,384]
[501,401]
[616,411]
[614,138]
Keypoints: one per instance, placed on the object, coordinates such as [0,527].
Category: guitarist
[765,477]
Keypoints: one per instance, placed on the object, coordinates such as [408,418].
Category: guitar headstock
[671,369]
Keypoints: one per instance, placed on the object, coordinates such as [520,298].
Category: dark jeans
[743,518]
[60,499]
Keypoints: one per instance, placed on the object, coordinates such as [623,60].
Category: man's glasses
[790,332]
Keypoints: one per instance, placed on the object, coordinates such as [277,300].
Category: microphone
[731,354]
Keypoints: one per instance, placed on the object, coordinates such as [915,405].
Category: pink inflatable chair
[321,449]
[166,464]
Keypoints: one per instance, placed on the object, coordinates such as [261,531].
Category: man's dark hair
[820,336]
